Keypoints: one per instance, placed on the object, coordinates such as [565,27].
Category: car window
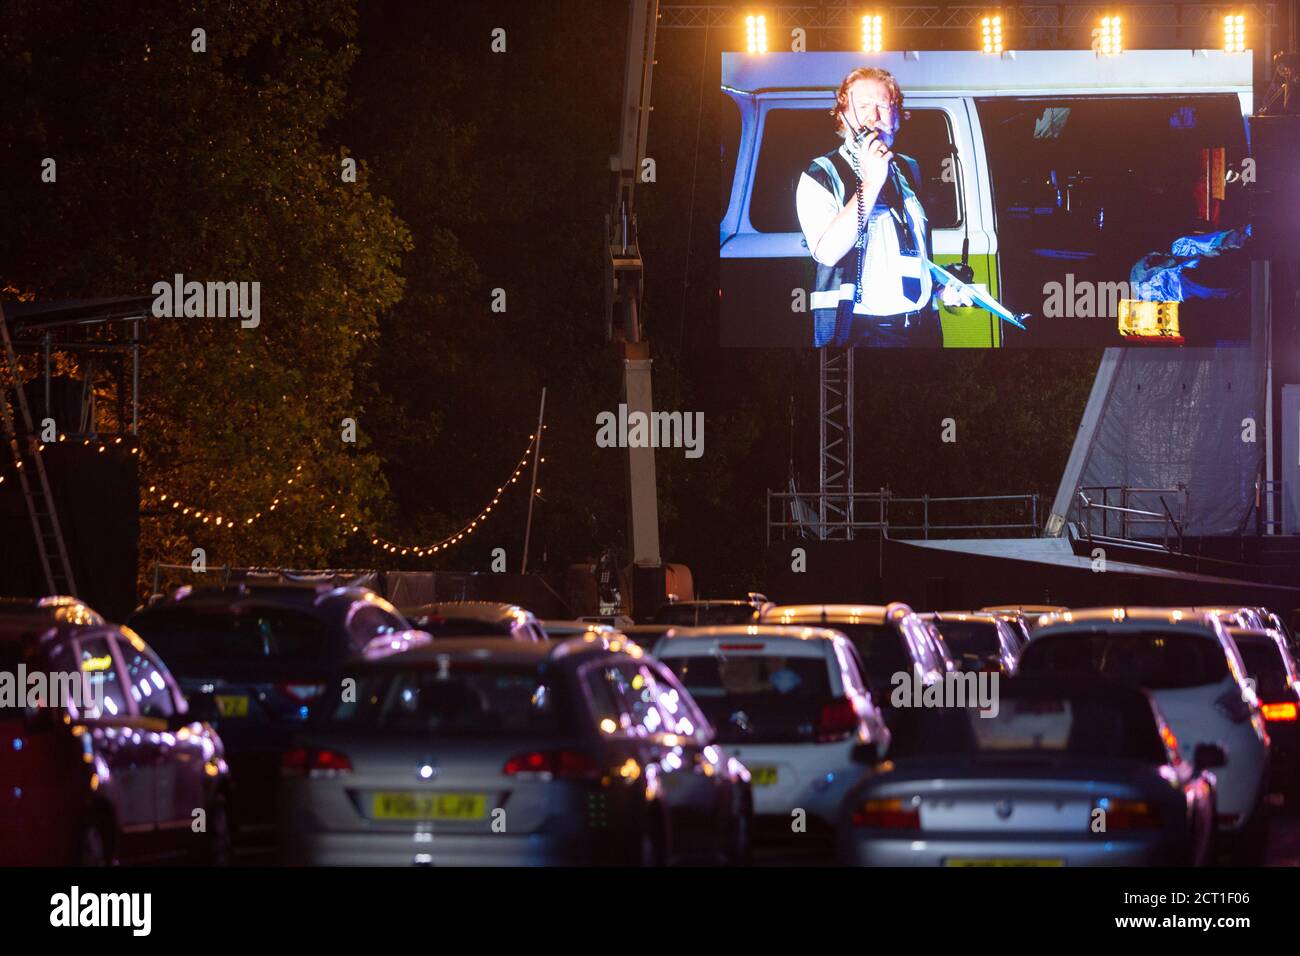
[466,699]
[598,681]
[368,621]
[104,688]
[640,691]
[682,713]
[244,642]
[1160,660]
[849,668]
[147,680]
[1267,667]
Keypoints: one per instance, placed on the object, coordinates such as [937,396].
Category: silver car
[1068,771]
[487,751]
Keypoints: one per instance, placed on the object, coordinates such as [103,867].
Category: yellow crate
[1149,320]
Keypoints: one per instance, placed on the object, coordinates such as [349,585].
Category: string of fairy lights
[216,519]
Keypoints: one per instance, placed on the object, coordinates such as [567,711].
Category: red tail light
[887,815]
[1130,815]
[1285,710]
[838,720]
[303,692]
[301,762]
[558,764]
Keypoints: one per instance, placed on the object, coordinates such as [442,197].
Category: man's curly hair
[866,73]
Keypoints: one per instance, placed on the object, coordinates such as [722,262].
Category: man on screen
[866,229]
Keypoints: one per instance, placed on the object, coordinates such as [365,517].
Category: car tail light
[1232,705]
[1129,815]
[303,693]
[1285,710]
[838,720]
[556,764]
[304,762]
[887,815]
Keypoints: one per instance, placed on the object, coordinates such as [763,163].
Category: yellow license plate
[232,706]
[1003,862]
[428,806]
[762,776]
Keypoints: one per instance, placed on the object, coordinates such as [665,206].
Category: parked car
[263,654]
[481,751]
[1071,771]
[1028,614]
[475,619]
[55,608]
[889,640]
[112,766]
[711,613]
[558,630]
[1194,671]
[1269,663]
[1018,621]
[791,705]
[978,642]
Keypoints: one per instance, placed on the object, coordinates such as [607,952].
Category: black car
[978,642]
[1269,663]
[263,654]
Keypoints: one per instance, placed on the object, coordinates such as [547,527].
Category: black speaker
[1275,195]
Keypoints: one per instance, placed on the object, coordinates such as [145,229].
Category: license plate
[762,776]
[1002,862]
[428,806]
[232,706]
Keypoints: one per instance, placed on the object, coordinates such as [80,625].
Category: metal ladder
[50,547]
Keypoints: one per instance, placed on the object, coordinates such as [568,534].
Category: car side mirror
[1208,756]
[202,708]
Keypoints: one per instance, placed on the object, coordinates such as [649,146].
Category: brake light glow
[1129,814]
[1286,710]
[552,764]
[303,762]
[303,692]
[838,720]
[887,815]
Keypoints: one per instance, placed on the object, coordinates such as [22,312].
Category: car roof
[833,613]
[682,640]
[504,650]
[1127,618]
[1253,635]
[473,610]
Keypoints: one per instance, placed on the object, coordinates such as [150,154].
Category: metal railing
[797,514]
[1123,519]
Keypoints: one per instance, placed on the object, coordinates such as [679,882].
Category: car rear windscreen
[1159,660]
[1093,726]
[438,626]
[695,615]
[241,642]
[979,638]
[880,647]
[757,698]
[1264,664]
[469,700]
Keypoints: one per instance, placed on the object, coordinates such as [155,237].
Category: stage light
[991,34]
[756,33]
[1234,33]
[1110,37]
[871,36]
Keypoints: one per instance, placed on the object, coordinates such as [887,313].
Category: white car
[1191,667]
[790,704]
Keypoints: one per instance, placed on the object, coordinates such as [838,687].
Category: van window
[1089,185]
[792,138]
[728,145]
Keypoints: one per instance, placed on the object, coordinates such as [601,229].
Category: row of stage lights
[1109,34]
